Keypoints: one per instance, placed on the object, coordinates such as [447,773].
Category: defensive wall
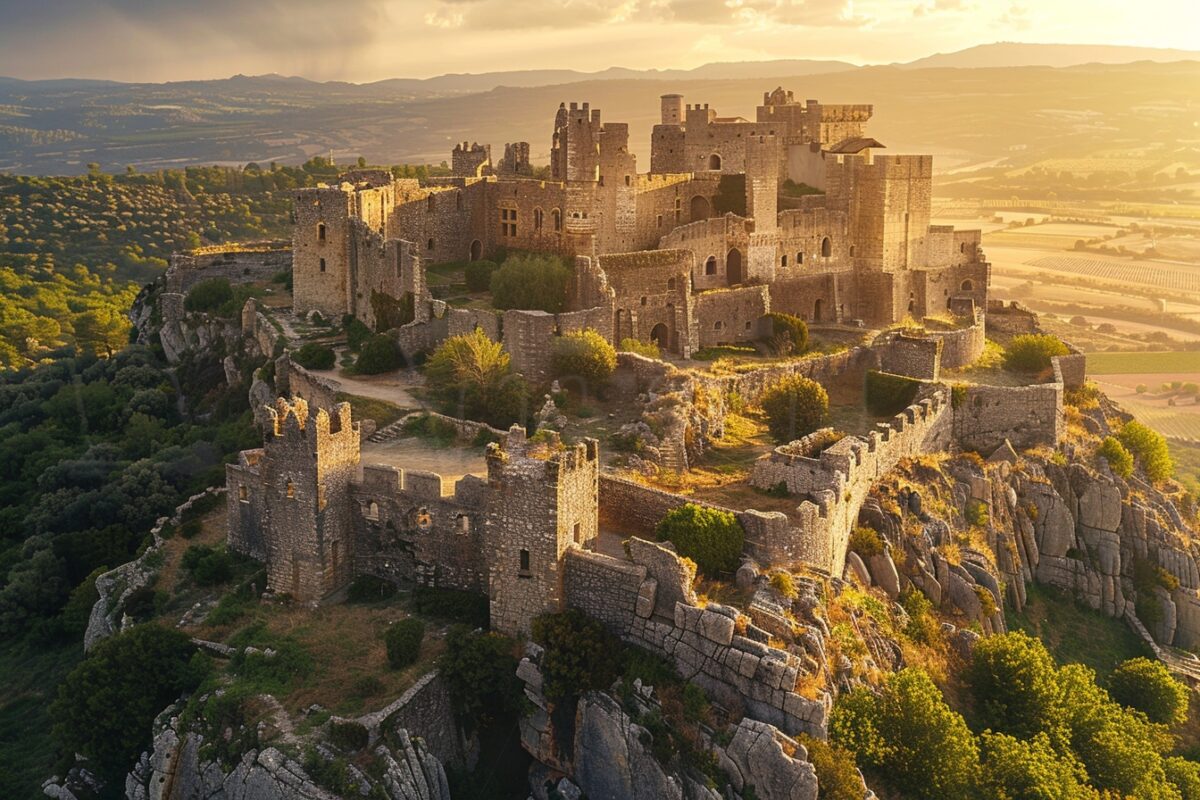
[648,601]
[241,263]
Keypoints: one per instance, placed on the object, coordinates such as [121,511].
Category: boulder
[856,569]
[774,764]
[613,760]
[884,574]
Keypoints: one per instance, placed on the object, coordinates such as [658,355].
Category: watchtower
[575,149]
[542,501]
[309,460]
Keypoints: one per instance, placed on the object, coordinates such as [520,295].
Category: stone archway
[700,208]
[733,268]
[476,250]
[714,162]
[660,334]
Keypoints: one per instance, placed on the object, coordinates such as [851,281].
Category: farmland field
[1187,362]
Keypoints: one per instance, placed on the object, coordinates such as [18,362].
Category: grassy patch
[383,412]
[1075,634]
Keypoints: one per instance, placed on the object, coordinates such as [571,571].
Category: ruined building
[691,253]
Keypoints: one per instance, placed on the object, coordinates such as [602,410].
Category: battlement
[291,419]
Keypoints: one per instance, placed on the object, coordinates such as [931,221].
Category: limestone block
[884,574]
[716,627]
[757,750]
[645,599]
[856,569]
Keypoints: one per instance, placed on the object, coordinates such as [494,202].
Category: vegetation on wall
[886,394]
[795,407]
[532,282]
[584,360]
[712,538]
[1031,352]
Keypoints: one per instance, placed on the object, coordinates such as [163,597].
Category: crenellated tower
[309,460]
[542,501]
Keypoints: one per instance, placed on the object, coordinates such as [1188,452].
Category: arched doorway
[826,248]
[661,336]
[476,250]
[817,310]
[733,267]
[967,286]
[700,208]
[714,162]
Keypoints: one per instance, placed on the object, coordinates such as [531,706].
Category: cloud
[509,15]
[939,7]
[1016,17]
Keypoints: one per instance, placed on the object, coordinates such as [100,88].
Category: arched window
[628,180]
[373,510]
[430,204]
[718,325]
[826,248]
[783,261]
[670,284]
[799,259]
[852,251]
[967,286]
[556,215]
[320,231]
[243,493]
[714,162]
[962,247]
[429,245]
[322,265]
[458,201]
[538,217]
[710,266]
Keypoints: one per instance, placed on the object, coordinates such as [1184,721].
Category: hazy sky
[363,40]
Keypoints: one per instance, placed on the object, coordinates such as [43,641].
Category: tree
[1031,352]
[478,275]
[107,704]
[909,737]
[1149,687]
[580,655]
[535,282]
[1120,460]
[102,330]
[1184,775]
[584,355]
[712,538]
[1150,448]
[795,406]
[837,777]
[1014,682]
[208,295]
[1029,770]
[472,376]
[403,641]
[480,670]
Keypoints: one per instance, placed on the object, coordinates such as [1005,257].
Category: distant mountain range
[999,54]
[948,105]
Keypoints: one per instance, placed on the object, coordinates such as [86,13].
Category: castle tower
[321,251]
[672,109]
[762,182]
[543,500]
[470,160]
[575,149]
[309,460]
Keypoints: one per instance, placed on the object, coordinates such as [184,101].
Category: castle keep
[687,254]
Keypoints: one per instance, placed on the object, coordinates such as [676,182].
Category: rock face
[612,757]
[774,764]
[176,770]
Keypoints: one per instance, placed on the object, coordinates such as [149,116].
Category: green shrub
[403,640]
[1149,687]
[923,625]
[207,566]
[1184,775]
[786,334]
[369,589]
[534,282]
[580,655]
[208,295]
[1012,768]
[1013,679]
[315,356]
[356,331]
[795,406]
[378,354]
[331,774]
[478,275]
[837,775]
[782,582]
[712,538]
[471,376]
[886,394]
[1119,459]
[392,312]
[1031,352]
[647,349]
[585,355]
[1150,449]
[976,512]
[191,528]
[348,735]
[866,541]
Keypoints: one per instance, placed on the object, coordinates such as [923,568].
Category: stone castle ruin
[692,253]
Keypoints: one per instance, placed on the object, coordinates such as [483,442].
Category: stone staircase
[389,433]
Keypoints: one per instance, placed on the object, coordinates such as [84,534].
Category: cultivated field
[1169,366]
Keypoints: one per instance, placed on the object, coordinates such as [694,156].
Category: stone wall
[1005,321]
[293,380]
[731,316]
[633,509]
[423,710]
[1027,416]
[241,263]
[912,355]
[962,347]
[834,483]
[736,670]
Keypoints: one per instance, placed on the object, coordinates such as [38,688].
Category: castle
[690,254]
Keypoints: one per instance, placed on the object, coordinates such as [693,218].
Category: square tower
[308,463]
[543,500]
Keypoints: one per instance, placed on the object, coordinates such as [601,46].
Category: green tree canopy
[1150,449]
[1149,687]
[795,407]
[471,376]
[1015,684]
[1032,352]
[584,356]
[712,538]
[533,282]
